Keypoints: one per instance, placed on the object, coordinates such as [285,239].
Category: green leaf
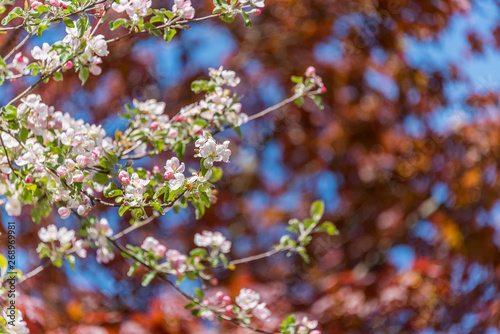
[42,9]
[81,26]
[246,17]
[108,188]
[169,34]
[227,18]
[133,269]
[157,207]
[297,80]
[117,23]
[58,76]
[157,18]
[69,22]
[204,198]
[9,113]
[319,102]
[308,222]
[199,210]
[179,149]
[190,305]
[199,86]
[199,293]
[40,29]
[122,210]
[317,210]
[328,227]
[299,102]
[148,278]
[83,74]
[16,12]
[64,57]
[101,178]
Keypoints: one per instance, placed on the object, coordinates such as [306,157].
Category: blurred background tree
[405,156]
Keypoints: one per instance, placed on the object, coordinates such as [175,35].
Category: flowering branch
[51,159]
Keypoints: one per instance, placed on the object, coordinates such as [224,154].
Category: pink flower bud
[226,299]
[323,89]
[78,177]
[156,169]
[172,133]
[219,295]
[160,250]
[206,302]
[35,4]
[310,71]
[64,212]
[62,171]
[168,175]
[154,125]
[257,12]
[29,179]
[68,65]
[64,6]
[229,310]
[54,3]
[82,160]
[123,176]
[81,210]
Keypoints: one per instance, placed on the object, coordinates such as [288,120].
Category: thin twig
[164,278]
[17,47]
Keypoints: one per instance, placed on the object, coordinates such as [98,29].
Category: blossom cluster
[18,64]
[215,240]
[93,47]
[247,305]
[210,151]
[219,107]
[173,262]
[183,8]
[60,243]
[135,9]
[70,148]
[14,322]
[99,234]
[49,159]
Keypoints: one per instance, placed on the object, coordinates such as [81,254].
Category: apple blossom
[215,240]
[64,212]
[135,9]
[15,324]
[100,231]
[247,299]
[48,234]
[154,246]
[183,8]
[13,207]
[211,151]
[173,173]
[20,62]
[261,312]
[105,255]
